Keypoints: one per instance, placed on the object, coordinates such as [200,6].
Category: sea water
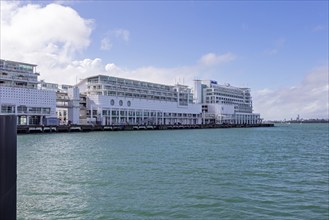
[236,173]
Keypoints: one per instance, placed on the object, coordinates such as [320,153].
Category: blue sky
[277,48]
[275,42]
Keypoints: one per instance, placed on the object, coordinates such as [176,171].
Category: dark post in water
[8,166]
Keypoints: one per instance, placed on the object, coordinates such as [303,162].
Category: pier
[27,129]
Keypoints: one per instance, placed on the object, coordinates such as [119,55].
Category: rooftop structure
[114,86]
[17,74]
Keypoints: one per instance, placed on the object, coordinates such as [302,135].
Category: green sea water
[237,173]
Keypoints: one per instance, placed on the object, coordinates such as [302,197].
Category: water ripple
[258,173]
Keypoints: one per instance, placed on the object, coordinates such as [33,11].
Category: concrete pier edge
[26,129]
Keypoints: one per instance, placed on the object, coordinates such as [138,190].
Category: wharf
[26,129]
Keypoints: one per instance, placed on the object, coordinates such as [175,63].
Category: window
[46,110]
[120,102]
[7,109]
[129,103]
[112,102]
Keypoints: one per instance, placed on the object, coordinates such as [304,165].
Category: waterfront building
[67,102]
[83,118]
[224,103]
[113,100]
[68,106]
[20,95]
[108,100]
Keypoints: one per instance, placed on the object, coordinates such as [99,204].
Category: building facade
[67,102]
[20,95]
[224,103]
[113,100]
[108,100]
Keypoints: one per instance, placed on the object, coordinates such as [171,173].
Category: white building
[113,100]
[19,94]
[224,103]
[108,100]
[67,102]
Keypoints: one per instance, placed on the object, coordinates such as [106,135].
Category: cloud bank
[33,33]
[309,99]
[53,44]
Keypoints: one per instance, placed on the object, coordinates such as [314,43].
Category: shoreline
[28,129]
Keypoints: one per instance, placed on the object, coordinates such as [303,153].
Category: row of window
[24,109]
[140,113]
[137,92]
[112,102]
[118,81]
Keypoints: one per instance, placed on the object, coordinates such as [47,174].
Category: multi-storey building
[19,94]
[224,103]
[113,100]
[67,102]
[108,100]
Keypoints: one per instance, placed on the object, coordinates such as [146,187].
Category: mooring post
[8,166]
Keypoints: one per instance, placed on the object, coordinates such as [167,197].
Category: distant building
[224,103]
[113,100]
[67,106]
[108,100]
[67,102]
[19,94]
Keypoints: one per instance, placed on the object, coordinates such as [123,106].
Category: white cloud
[49,36]
[122,34]
[106,43]
[181,74]
[309,99]
[33,33]
[213,59]
[53,43]
[113,35]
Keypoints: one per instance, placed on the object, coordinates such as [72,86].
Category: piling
[8,166]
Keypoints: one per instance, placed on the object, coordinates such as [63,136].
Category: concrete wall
[8,166]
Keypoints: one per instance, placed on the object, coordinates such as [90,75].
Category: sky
[279,49]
